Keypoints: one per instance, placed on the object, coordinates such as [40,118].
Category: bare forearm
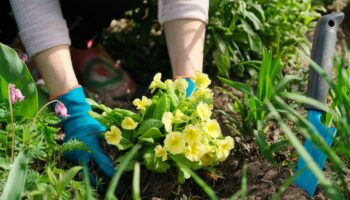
[55,65]
[185,41]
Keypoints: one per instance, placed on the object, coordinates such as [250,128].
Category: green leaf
[264,147]
[162,106]
[245,88]
[190,164]
[147,140]
[16,180]
[256,22]
[148,124]
[181,177]
[67,178]
[102,119]
[14,71]
[88,190]
[52,177]
[154,163]
[124,144]
[152,133]
[126,113]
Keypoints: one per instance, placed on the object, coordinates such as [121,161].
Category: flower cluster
[15,94]
[170,124]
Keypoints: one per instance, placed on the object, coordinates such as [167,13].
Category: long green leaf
[136,182]
[310,163]
[88,190]
[16,180]
[206,188]
[114,182]
[67,178]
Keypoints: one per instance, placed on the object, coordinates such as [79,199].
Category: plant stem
[41,109]
[12,131]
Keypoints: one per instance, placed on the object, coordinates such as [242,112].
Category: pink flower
[15,94]
[61,110]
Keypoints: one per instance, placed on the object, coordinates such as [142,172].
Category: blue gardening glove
[190,88]
[81,126]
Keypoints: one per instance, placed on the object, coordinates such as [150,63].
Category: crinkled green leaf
[154,163]
[102,119]
[125,144]
[125,113]
[152,133]
[162,106]
[148,124]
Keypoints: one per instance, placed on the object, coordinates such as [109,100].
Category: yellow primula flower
[128,123]
[212,128]
[161,152]
[179,117]
[208,159]
[167,121]
[156,82]
[180,85]
[168,82]
[175,143]
[224,147]
[206,92]
[195,151]
[204,111]
[113,136]
[141,104]
[201,80]
[192,134]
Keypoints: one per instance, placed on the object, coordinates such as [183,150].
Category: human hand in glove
[81,126]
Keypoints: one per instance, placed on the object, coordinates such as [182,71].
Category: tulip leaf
[14,71]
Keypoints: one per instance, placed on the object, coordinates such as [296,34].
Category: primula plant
[170,127]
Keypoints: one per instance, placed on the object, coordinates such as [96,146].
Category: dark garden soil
[264,179]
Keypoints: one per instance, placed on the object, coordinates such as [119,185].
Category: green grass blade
[88,190]
[136,182]
[114,182]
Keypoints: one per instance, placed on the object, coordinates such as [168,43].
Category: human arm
[184,23]
[45,36]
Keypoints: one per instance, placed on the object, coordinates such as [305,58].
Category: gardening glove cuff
[190,87]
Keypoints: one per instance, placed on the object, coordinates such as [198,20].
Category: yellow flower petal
[180,85]
[141,104]
[224,147]
[179,117]
[203,111]
[113,136]
[208,159]
[175,143]
[201,80]
[161,152]
[167,121]
[192,134]
[156,82]
[212,128]
[128,123]
[195,151]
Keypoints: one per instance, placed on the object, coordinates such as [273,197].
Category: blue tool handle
[322,53]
